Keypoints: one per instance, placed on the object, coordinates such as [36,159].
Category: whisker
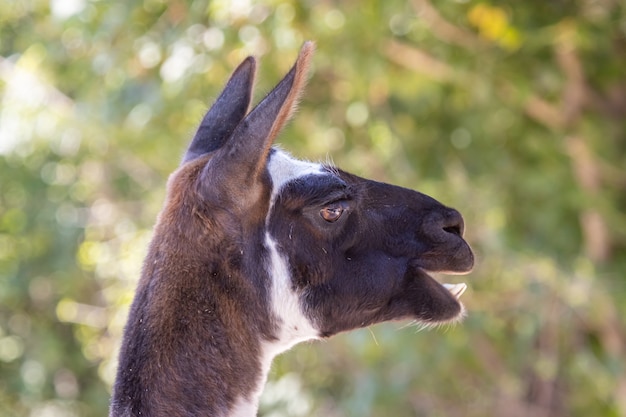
[407,325]
[373,336]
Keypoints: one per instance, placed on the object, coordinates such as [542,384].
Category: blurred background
[513,112]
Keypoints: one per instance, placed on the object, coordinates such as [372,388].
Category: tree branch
[443,29]
[419,61]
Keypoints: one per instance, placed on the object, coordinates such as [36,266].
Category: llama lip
[456,290]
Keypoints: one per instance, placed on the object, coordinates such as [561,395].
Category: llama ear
[244,156]
[227,112]
[267,119]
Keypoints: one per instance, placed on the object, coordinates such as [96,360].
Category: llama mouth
[456,290]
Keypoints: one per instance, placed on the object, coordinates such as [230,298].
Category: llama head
[255,251]
[341,251]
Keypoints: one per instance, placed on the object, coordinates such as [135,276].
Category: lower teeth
[456,289]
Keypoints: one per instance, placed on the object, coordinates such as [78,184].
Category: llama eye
[333,212]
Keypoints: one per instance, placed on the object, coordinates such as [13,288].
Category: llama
[256,251]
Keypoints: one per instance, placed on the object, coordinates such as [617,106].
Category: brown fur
[201,350]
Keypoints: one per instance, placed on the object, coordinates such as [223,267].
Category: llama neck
[194,343]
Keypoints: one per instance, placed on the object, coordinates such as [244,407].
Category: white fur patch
[294,326]
[283,168]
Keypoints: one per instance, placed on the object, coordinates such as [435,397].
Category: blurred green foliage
[513,112]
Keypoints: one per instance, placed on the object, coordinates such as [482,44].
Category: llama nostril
[453,223]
